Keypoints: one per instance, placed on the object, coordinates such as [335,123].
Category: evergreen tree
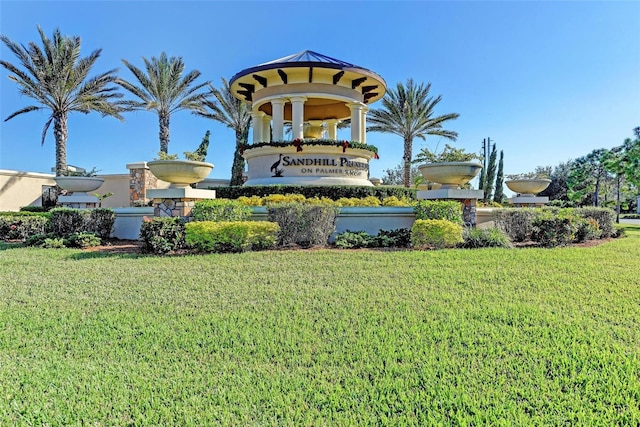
[491,174]
[498,196]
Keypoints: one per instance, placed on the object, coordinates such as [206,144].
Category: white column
[332,128]
[363,124]
[297,116]
[277,112]
[266,128]
[256,125]
[356,120]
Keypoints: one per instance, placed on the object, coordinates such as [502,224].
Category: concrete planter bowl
[450,174]
[180,173]
[528,187]
[78,184]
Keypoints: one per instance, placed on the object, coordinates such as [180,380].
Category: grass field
[322,337]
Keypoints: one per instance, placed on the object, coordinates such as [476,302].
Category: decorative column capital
[298,99]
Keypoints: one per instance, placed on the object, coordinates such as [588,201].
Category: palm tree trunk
[163,118]
[237,169]
[408,148]
[60,133]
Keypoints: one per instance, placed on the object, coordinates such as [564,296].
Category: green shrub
[231,236]
[38,239]
[34,209]
[303,224]
[587,229]
[435,209]
[484,238]
[100,222]
[353,240]
[604,216]
[398,238]
[220,210]
[333,192]
[66,221]
[161,235]
[21,225]
[83,239]
[53,243]
[517,223]
[551,229]
[435,233]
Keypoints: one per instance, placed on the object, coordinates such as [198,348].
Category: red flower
[298,144]
[345,144]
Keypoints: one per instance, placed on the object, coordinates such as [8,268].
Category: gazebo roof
[309,57]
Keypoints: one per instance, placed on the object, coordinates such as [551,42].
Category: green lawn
[328,337]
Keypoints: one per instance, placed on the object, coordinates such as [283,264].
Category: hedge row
[333,192]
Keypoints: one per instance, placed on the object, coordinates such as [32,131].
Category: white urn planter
[180,173]
[450,174]
[79,184]
[528,187]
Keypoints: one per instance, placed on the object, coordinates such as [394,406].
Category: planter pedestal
[529,201]
[468,199]
[79,201]
[177,201]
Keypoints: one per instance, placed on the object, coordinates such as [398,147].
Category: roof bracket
[337,77]
[251,88]
[357,82]
[282,75]
[260,79]
[367,89]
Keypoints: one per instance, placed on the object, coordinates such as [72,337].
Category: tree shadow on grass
[11,245]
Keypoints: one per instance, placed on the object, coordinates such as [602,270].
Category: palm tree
[57,78]
[164,90]
[409,112]
[235,114]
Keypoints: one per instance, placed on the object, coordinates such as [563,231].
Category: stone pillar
[297,116]
[356,120]
[363,124]
[266,128]
[140,180]
[256,120]
[277,112]
[332,128]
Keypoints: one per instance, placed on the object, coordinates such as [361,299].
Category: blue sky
[547,81]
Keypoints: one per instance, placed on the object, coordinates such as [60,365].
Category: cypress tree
[491,174]
[498,196]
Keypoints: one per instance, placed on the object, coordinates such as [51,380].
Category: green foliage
[83,240]
[586,177]
[435,233]
[66,221]
[552,229]
[603,216]
[395,175]
[491,175]
[448,154]
[303,224]
[220,210]
[517,223]
[484,238]
[498,195]
[100,222]
[21,225]
[38,239]
[201,152]
[53,243]
[306,142]
[333,192]
[399,238]
[161,155]
[161,235]
[231,236]
[588,229]
[436,209]
[34,209]
[353,240]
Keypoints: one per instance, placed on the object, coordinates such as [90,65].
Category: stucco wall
[19,189]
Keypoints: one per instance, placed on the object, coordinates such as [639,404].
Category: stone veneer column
[140,180]
[277,113]
[297,116]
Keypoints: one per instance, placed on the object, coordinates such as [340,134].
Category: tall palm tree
[408,111]
[235,114]
[165,90]
[57,78]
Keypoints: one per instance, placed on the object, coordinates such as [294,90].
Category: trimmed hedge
[517,223]
[484,238]
[399,238]
[436,209]
[555,229]
[22,225]
[231,236]
[435,233]
[100,222]
[161,235]
[333,192]
[605,218]
[302,224]
[220,210]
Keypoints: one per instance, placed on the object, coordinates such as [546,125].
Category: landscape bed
[323,337]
